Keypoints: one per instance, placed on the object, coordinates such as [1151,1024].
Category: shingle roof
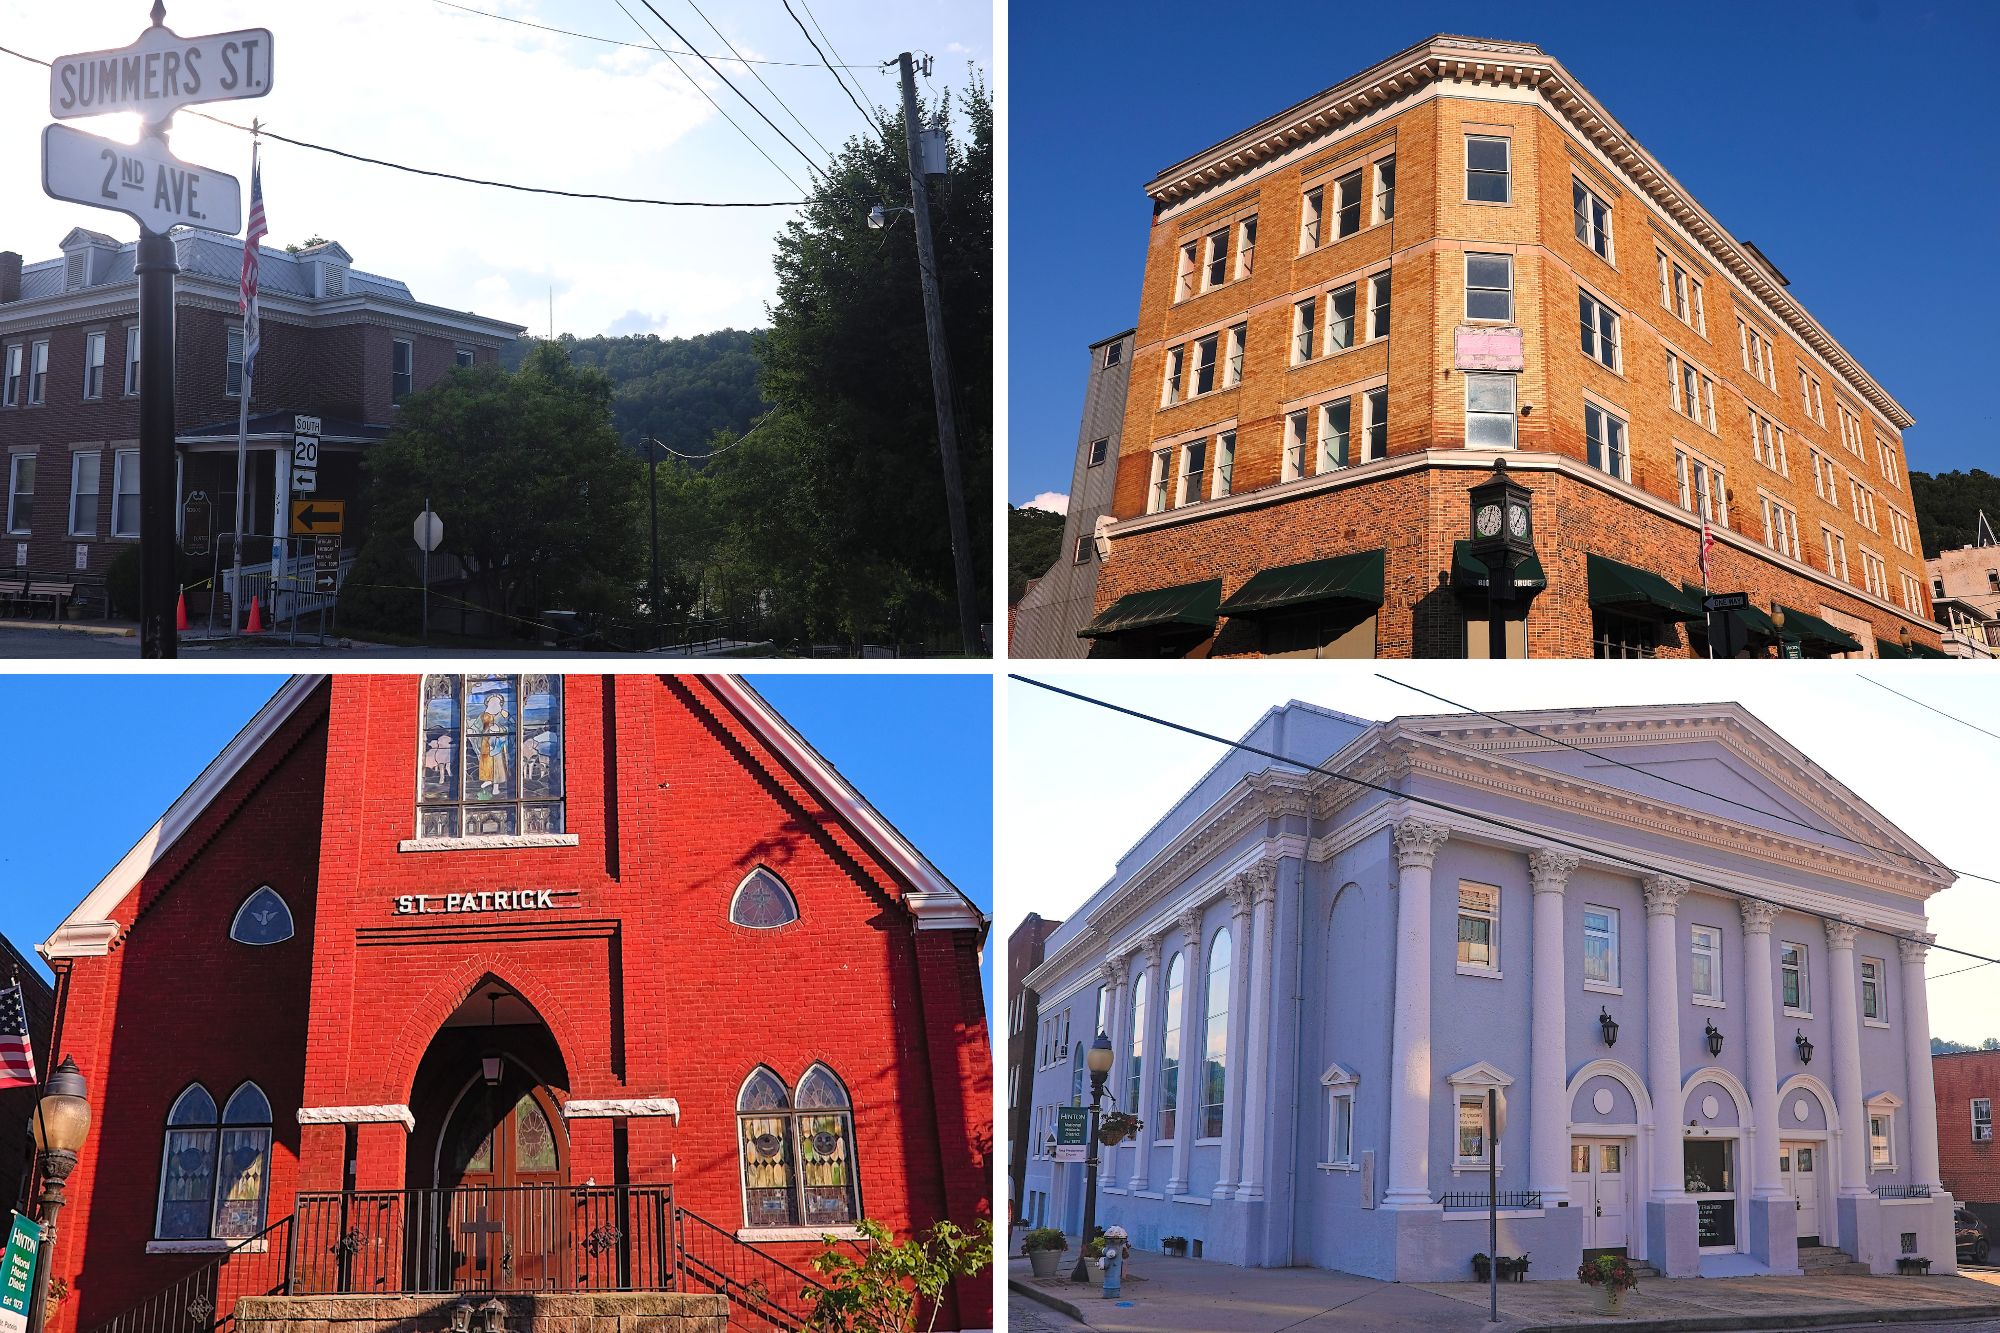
[213,256]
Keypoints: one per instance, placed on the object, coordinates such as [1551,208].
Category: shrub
[1044,1238]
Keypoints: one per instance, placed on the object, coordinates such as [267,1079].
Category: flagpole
[242,435]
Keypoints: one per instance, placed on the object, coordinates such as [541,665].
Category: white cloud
[1053,501]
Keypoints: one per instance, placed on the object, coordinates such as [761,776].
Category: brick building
[1354,307]
[1965,595]
[454,979]
[18,1104]
[1968,1088]
[1024,955]
[340,344]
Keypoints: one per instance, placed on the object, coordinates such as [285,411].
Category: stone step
[1825,1260]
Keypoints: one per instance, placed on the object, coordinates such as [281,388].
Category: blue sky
[99,758]
[1848,139]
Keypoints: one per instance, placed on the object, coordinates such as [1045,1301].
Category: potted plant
[1044,1247]
[1174,1247]
[1116,1127]
[1911,1265]
[1515,1269]
[1481,1266]
[1610,1276]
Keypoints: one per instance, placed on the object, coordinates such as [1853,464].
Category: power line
[1474,815]
[760,80]
[613,41]
[1699,791]
[1939,711]
[865,113]
[810,164]
[828,39]
[472,180]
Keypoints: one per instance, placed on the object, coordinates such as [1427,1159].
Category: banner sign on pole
[17,1274]
[1072,1133]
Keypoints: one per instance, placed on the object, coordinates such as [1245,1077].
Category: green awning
[1806,628]
[1638,592]
[1925,650]
[1884,648]
[1191,606]
[1468,571]
[1753,619]
[1340,578]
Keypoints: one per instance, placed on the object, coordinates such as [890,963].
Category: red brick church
[515,983]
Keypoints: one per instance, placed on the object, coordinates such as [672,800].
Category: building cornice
[1520,65]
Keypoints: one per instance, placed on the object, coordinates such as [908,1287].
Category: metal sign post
[429,531]
[1496,1123]
[155,76]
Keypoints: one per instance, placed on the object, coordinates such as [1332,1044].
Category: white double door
[1799,1168]
[1600,1184]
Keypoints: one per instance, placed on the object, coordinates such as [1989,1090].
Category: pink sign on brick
[1488,349]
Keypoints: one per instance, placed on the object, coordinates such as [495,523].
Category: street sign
[305,455]
[310,518]
[142,180]
[161,73]
[304,483]
[1725,601]
[326,551]
[197,516]
[17,1274]
[1791,648]
[303,425]
[305,451]
[1072,1133]
[429,531]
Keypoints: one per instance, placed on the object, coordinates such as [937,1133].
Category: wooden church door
[507,1170]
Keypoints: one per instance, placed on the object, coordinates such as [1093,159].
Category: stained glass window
[263,919]
[534,1141]
[187,1169]
[490,761]
[762,901]
[215,1170]
[817,1132]
[243,1185]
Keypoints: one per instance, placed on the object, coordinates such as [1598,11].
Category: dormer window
[326,267]
[87,257]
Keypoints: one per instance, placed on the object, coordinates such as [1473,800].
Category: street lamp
[61,1124]
[1098,1061]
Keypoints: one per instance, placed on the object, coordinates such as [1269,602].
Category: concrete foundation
[555,1312]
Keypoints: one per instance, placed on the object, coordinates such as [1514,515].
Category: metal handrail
[1902,1191]
[1505,1199]
[714,1262]
[204,1299]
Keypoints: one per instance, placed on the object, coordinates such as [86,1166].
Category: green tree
[890,1284]
[1034,538]
[539,499]
[1948,507]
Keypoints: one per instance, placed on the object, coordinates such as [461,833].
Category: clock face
[1517,520]
[1487,520]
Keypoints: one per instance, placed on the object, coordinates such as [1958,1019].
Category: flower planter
[1043,1263]
[1913,1267]
[1608,1298]
[1481,1267]
[1174,1249]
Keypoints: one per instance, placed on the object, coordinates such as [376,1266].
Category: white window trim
[233,337]
[1804,1009]
[1466,291]
[1617,363]
[1972,1112]
[100,340]
[1719,1000]
[118,466]
[38,355]
[1881,1020]
[1513,418]
[95,458]
[13,374]
[1471,1081]
[1379,276]
[1615,986]
[1493,936]
[14,462]
[132,360]
[1216,488]
[1605,409]
[1341,1084]
[1886,1105]
[1610,254]
[1506,174]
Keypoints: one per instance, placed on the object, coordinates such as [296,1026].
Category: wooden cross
[479,1231]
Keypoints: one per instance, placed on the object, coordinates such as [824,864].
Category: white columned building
[1549,1156]
[1257,1072]
[1417,845]
[1774,1215]
[1188,1112]
[1242,895]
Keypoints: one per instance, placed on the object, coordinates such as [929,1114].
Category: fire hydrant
[1113,1262]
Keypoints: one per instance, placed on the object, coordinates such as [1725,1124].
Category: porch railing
[204,1299]
[763,1292]
[1902,1191]
[524,1238]
[1507,1199]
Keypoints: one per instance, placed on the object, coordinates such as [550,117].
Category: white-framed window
[86,466]
[215,1169]
[1340,319]
[1490,419]
[1781,526]
[1335,433]
[1309,219]
[1232,357]
[1913,593]
[1294,464]
[1826,479]
[1378,306]
[464,358]
[1693,391]
[125,493]
[232,364]
[1170,1047]
[1215,268]
[1471,1140]
[263,920]
[1114,352]
[1205,351]
[1593,219]
[10,382]
[1598,325]
[1302,331]
[1375,424]
[1194,471]
[402,369]
[1850,426]
[1680,292]
[1604,441]
[131,360]
[1170,390]
[1489,287]
[1099,450]
[1886,461]
[1215,1038]
[1135,1040]
[1225,463]
[1347,205]
[93,365]
[1080,553]
[1874,574]
[1471,1146]
[762,900]
[1478,927]
[1874,1001]
[1767,443]
[1488,169]
[1190,264]
[1864,504]
[21,494]
[1705,984]
[1246,246]
[1760,358]
[1882,1110]
[1156,494]
[1794,985]
[1982,1120]
[798,1151]
[1809,396]
[1385,190]
[1836,553]
[38,373]
[1600,947]
[1703,486]
[1899,531]
[1341,1084]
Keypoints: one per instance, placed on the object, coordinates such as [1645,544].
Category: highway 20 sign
[161,73]
[143,181]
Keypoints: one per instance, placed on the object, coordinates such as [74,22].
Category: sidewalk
[1192,1296]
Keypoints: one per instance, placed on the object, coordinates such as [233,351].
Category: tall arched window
[762,902]
[1215,1074]
[187,1167]
[215,1172]
[798,1156]
[490,757]
[243,1185]
[1136,1048]
[1076,1076]
[826,1150]
[1170,1049]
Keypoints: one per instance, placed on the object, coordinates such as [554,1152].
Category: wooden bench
[36,590]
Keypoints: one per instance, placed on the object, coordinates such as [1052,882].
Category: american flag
[247,302]
[17,1054]
[1707,540]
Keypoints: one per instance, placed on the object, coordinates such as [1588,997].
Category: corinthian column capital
[1757,917]
[1190,920]
[1915,948]
[1663,894]
[1417,843]
[1840,934]
[1549,869]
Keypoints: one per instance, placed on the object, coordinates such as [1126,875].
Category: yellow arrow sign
[311,518]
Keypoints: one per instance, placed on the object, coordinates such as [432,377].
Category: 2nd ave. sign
[161,73]
[142,180]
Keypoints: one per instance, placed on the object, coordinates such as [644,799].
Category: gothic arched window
[263,919]
[762,902]
[187,1167]
[243,1183]
[798,1155]
[490,757]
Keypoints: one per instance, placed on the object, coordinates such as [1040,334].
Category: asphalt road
[52,644]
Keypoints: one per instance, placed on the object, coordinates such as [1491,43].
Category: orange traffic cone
[181,614]
[256,625]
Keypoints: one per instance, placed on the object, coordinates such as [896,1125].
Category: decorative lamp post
[60,1125]
[1714,1036]
[1608,1025]
[1098,1061]
[1804,1044]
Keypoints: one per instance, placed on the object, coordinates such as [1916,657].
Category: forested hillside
[1948,506]
[679,391]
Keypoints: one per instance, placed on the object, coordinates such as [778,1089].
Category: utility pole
[954,480]
[653,448]
[159,583]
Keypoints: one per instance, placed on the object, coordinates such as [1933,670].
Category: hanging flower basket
[1117,1127]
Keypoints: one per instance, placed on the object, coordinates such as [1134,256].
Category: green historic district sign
[17,1274]
[1072,1133]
